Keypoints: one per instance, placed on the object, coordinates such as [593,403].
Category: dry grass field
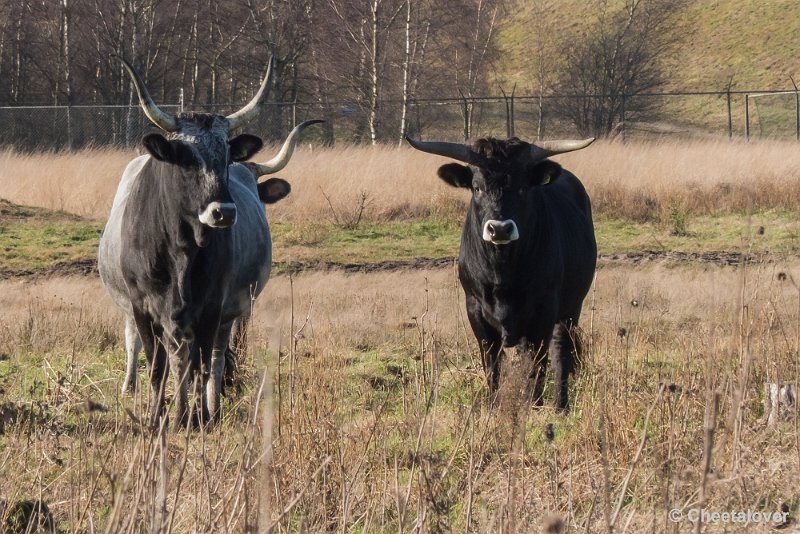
[635,180]
[364,409]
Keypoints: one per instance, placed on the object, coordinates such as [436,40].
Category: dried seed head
[553,524]
[549,433]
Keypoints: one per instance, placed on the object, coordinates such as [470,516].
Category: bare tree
[484,19]
[418,21]
[620,57]
[369,24]
[545,59]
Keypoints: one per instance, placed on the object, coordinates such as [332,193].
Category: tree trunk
[406,68]
[65,61]
[373,94]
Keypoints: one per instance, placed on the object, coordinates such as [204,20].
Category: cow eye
[478,189]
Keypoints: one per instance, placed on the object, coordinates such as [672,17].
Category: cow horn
[163,120]
[449,150]
[550,148]
[282,158]
[245,115]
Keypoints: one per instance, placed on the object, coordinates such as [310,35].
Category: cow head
[199,154]
[198,148]
[500,174]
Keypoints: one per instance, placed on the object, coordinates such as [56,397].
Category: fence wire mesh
[771,115]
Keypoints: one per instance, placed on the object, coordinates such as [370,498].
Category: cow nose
[500,232]
[219,215]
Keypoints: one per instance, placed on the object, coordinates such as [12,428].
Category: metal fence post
[747,117]
[509,101]
[69,128]
[796,110]
[467,119]
[730,115]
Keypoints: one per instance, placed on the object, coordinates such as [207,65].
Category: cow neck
[161,231]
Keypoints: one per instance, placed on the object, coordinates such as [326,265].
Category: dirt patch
[633,258]
[88,267]
[710,257]
[294,267]
[83,267]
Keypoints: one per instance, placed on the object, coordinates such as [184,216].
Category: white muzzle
[500,232]
[219,215]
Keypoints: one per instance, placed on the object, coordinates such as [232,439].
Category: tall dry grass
[637,180]
[82,183]
[376,416]
[371,415]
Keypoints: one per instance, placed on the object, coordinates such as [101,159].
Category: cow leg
[205,337]
[133,345]
[235,353]
[218,359]
[490,343]
[535,351]
[179,362]
[150,336]
[565,349]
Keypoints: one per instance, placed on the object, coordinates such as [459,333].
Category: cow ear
[456,175]
[245,146]
[273,190]
[544,172]
[174,152]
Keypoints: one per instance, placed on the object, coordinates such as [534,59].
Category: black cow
[528,253]
[187,245]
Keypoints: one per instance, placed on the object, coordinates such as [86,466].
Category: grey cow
[187,245]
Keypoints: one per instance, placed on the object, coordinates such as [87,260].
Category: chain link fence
[774,114]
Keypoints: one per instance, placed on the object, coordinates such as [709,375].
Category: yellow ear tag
[546,180]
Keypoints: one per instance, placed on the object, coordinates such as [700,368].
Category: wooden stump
[780,402]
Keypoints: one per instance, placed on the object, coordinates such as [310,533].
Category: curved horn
[285,154]
[163,120]
[550,148]
[245,115]
[449,150]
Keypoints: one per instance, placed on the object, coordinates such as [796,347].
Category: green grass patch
[36,245]
[33,239]
[369,243]
[768,231]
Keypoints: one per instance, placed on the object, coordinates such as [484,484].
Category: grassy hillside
[753,40]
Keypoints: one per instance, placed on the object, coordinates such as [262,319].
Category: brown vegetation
[638,181]
[366,408]
[375,418]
